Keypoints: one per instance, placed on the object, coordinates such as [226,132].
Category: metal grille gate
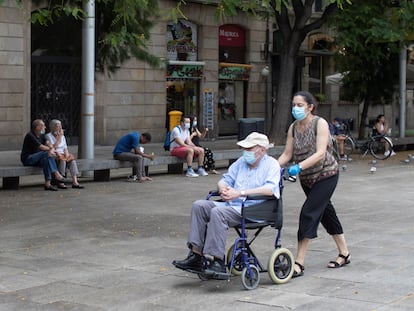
[56,92]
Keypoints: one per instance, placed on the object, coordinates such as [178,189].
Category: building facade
[211,70]
[215,70]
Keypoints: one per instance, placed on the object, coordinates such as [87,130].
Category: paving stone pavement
[110,246]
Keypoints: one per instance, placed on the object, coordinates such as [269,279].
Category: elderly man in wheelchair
[254,173]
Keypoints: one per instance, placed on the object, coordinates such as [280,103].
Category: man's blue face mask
[249,156]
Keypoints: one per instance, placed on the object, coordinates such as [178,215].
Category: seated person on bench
[128,149]
[182,147]
[37,151]
[253,173]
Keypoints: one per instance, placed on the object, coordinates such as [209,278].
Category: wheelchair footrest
[189,270]
[217,275]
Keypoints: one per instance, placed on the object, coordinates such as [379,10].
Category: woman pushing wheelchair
[308,145]
[253,173]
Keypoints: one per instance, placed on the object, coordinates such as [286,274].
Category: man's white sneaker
[132,178]
[191,173]
[202,172]
[393,153]
[386,153]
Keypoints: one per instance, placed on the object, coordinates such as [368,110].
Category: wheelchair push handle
[286,176]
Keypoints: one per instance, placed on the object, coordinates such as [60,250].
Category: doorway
[231,99]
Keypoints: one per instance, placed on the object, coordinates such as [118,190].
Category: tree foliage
[123,30]
[123,27]
[370,35]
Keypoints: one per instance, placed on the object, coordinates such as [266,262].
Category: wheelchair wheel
[281,265]
[250,281]
[237,264]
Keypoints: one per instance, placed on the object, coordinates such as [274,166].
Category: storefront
[233,78]
[184,72]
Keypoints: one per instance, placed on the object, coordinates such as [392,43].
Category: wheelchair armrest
[260,197]
[212,193]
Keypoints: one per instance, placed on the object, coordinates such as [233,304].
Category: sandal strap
[344,257]
[336,264]
[302,268]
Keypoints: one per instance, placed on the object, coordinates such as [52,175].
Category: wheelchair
[240,259]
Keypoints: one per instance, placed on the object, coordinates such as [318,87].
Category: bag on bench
[168,141]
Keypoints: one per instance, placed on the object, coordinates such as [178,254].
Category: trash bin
[249,125]
[175,117]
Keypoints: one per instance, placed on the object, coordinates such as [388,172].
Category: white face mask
[187,126]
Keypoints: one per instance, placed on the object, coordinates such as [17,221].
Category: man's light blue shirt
[241,176]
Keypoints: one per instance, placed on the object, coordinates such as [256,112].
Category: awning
[336,79]
[177,69]
[233,71]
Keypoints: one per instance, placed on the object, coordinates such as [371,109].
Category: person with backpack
[196,135]
[182,147]
[309,145]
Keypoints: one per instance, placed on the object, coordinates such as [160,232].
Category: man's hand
[52,152]
[229,193]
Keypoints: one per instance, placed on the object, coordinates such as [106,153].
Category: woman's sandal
[334,264]
[297,274]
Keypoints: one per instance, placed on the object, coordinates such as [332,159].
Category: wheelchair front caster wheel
[237,263]
[250,277]
[281,265]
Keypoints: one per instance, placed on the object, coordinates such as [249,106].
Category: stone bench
[102,167]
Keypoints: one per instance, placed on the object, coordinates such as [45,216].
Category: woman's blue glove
[294,170]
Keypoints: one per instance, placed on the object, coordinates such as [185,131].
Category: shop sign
[232,35]
[228,71]
[184,71]
[181,40]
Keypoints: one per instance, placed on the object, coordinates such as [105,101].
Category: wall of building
[135,96]
[14,75]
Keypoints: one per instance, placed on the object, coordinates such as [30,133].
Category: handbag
[63,157]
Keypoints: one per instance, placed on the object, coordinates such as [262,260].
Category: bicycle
[376,145]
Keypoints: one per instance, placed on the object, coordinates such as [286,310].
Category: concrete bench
[102,167]
[403,143]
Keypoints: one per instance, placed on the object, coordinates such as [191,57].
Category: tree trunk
[363,122]
[281,109]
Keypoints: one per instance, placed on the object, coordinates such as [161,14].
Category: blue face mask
[194,123]
[187,126]
[249,157]
[42,132]
[298,113]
